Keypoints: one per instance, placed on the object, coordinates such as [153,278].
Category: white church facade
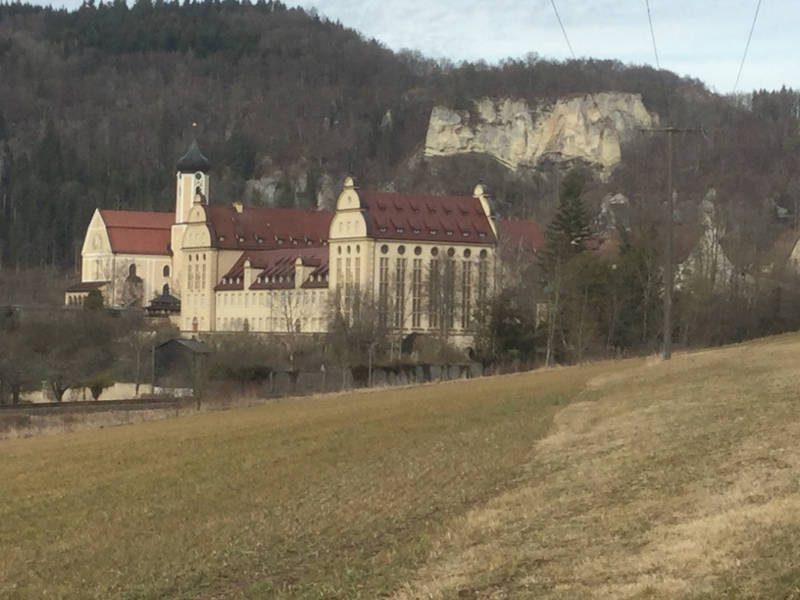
[421,263]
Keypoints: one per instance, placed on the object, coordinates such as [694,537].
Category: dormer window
[260,240]
[449,233]
[465,233]
[400,230]
[434,232]
[383,229]
[415,230]
[482,234]
[222,238]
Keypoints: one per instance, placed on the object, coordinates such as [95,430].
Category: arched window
[165,289]
[165,271]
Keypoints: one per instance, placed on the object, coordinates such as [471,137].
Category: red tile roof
[274,264]
[454,219]
[522,235]
[138,219]
[264,228]
[138,232]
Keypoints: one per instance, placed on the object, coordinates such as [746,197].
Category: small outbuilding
[181,363]
[164,305]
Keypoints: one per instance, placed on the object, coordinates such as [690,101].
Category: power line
[564,31]
[652,33]
[746,47]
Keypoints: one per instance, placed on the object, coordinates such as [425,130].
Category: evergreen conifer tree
[565,238]
[568,231]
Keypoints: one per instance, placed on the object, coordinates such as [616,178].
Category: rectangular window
[400,293]
[383,292]
[466,294]
[348,289]
[434,285]
[357,288]
[339,279]
[448,297]
[483,280]
[204,275]
[416,293]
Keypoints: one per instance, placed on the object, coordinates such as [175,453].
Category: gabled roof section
[86,286]
[264,228]
[138,232]
[520,235]
[449,219]
[275,269]
[191,345]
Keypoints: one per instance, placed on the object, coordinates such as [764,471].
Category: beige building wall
[100,263]
[395,275]
[97,258]
[273,311]
[151,268]
[200,273]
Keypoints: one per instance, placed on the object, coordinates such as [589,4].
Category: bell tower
[192,184]
[191,187]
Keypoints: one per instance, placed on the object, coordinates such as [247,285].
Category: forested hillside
[96,105]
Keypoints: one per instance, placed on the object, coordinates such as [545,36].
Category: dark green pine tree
[568,231]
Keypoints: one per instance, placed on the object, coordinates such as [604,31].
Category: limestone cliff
[589,127]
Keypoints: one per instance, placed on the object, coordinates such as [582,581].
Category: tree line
[96,105]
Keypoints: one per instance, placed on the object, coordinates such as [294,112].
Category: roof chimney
[480,193]
[247,274]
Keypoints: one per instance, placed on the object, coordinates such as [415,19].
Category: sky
[704,39]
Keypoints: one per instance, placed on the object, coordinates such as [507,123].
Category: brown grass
[636,479]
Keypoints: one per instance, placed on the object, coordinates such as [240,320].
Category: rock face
[589,127]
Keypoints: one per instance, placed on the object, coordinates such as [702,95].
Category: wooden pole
[669,267]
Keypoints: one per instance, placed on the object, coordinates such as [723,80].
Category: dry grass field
[633,479]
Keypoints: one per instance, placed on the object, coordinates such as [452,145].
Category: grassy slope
[620,480]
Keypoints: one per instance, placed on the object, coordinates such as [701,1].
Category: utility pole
[669,279]
[669,266]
